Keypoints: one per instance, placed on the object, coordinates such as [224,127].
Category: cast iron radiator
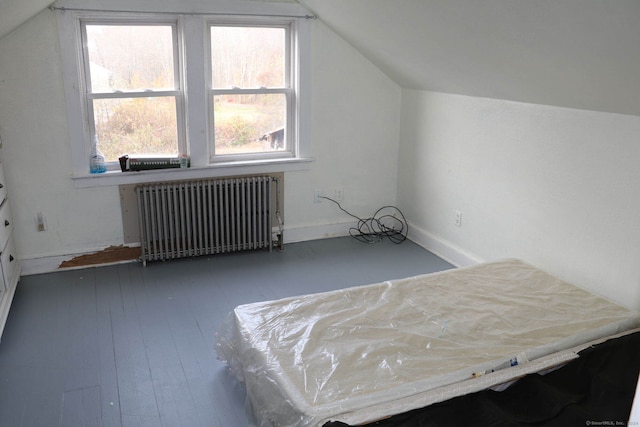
[208,216]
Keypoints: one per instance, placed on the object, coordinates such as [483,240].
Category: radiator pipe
[280,242]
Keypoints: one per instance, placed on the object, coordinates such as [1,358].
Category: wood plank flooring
[131,346]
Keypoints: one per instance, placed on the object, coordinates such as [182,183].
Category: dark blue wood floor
[131,346]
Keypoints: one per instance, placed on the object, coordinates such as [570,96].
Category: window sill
[112,178]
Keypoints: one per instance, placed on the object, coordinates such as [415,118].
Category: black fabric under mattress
[595,389]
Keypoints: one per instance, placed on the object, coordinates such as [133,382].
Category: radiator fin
[203,217]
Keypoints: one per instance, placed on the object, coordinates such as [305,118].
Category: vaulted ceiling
[13,13]
[572,53]
[581,54]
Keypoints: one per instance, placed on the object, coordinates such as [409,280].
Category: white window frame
[192,33]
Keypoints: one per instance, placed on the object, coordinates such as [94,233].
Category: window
[134,99]
[251,93]
[227,90]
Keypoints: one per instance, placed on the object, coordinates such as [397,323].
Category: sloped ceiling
[14,13]
[581,54]
[572,53]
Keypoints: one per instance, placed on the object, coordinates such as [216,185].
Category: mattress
[595,389]
[364,353]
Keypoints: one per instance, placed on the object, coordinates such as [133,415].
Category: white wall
[36,151]
[556,187]
[355,128]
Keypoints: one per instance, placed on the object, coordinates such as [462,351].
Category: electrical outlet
[339,194]
[317,196]
[458,219]
[41,224]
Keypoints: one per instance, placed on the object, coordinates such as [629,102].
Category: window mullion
[195,90]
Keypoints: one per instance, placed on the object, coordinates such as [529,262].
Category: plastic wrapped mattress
[364,353]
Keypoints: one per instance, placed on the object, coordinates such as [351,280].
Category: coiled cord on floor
[388,222]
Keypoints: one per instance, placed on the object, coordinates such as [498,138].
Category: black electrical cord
[388,221]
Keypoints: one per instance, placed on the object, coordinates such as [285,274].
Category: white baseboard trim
[316,231]
[51,263]
[442,248]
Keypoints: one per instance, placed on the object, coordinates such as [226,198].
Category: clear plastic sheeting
[337,355]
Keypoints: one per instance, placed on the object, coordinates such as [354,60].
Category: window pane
[130,57]
[136,126]
[247,124]
[247,57]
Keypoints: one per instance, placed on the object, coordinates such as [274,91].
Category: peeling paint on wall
[109,255]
